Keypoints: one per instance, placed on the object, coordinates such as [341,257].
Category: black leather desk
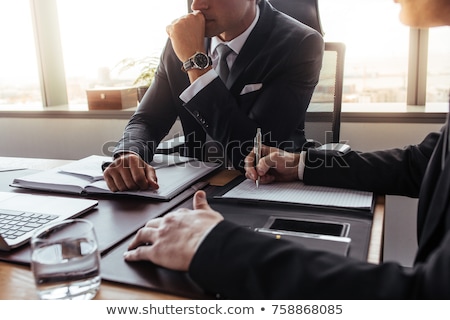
[146,275]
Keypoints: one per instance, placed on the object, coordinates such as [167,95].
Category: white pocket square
[251,87]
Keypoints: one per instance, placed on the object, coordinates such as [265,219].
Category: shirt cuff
[198,85]
[301,165]
[121,152]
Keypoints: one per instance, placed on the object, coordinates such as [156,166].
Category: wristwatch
[198,61]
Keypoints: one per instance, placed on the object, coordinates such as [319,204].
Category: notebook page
[298,192]
[91,166]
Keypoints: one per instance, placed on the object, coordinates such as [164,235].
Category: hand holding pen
[273,165]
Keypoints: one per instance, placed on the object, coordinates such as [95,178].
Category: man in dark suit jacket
[269,86]
[235,262]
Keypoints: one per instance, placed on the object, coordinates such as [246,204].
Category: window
[376,63]
[19,79]
[438,80]
[97,35]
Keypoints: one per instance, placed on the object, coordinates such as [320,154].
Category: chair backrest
[305,11]
[323,118]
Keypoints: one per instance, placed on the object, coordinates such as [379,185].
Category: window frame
[417,67]
[49,53]
[53,81]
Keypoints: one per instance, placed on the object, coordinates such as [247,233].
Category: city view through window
[377,46]
[97,35]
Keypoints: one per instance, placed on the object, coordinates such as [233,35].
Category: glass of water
[65,261]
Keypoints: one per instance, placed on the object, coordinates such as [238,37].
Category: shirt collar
[237,43]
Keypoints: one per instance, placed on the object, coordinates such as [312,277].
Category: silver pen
[258,145]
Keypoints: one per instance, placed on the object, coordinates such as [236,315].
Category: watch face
[201,60]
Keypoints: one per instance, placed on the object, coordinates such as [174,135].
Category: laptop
[22,214]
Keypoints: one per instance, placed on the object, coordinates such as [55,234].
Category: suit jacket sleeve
[395,171]
[236,263]
[157,111]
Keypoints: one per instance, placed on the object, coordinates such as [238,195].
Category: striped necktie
[222,67]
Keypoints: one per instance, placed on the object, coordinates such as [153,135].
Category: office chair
[305,11]
[323,118]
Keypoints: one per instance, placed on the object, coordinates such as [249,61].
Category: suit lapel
[256,40]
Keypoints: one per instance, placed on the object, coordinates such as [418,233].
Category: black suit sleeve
[237,263]
[157,111]
[395,171]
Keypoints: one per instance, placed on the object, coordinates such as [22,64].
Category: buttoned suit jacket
[237,263]
[270,86]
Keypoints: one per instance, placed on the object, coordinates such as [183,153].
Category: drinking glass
[65,260]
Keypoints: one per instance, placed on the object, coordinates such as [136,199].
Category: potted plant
[147,69]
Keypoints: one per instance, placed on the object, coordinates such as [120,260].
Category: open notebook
[85,176]
[22,214]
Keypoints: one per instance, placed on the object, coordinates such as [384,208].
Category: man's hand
[274,165]
[171,241]
[130,172]
[187,35]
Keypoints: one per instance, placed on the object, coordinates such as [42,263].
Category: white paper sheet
[297,192]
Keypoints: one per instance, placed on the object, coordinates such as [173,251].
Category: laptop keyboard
[14,224]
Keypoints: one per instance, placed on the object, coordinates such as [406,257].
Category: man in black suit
[237,263]
[275,64]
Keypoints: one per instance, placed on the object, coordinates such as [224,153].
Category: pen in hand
[258,146]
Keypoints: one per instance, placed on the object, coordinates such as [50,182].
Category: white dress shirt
[236,45]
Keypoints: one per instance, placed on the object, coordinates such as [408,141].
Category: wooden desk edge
[17,283]
[375,253]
